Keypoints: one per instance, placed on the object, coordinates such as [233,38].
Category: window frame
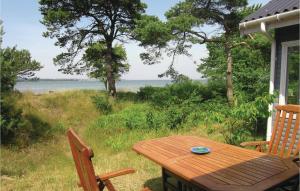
[283,70]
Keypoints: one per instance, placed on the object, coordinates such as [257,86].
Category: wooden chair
[82,155]
[284,141]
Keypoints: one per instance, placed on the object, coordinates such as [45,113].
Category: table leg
[164,179]
[171,182]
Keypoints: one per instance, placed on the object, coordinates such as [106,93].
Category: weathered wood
[227,167]
[82,156]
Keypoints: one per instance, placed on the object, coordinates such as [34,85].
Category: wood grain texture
[227,167]
[285,134]
[82,156]
[285,112]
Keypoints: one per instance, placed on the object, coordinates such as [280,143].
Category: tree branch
[203,37]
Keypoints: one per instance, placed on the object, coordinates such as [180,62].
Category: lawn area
[48,165]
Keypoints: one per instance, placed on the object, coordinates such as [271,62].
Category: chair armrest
[121,172]
[258,144]
[297,161]
[254,143]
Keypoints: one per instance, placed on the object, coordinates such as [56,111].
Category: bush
[145,93]
[134,119]
[179,101]
[17,127]
[102,104]
[177,93]
[155,119]
[126,96]
[237,123]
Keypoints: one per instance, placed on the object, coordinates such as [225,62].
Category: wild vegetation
[48,165]
[152,112]
[16,126]
[231,107]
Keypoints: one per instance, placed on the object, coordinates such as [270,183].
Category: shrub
[134,117]
[178,102]
[145,93]
[102,104]
[155,119]
[134,120]
[18,127]
[177,93]
[237,123]
[126,96]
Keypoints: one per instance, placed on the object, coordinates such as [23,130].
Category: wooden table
[227,167]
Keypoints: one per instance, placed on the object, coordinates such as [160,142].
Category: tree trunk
[229,83]
[105,84]
[109,72]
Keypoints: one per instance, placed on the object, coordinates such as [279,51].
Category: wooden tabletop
[227,167]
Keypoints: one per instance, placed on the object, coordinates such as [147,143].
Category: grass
[48,164]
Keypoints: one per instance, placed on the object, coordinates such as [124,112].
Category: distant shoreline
[54,85]
[66,79]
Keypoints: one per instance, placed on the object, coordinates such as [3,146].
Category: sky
[22,27]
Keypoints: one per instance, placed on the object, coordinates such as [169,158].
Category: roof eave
[274,21]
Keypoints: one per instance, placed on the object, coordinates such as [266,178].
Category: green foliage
[102,104]
[1,33]
[96,65]
[134,118]
[77,25]
[150,30]
[17,127]
[177,93]
[16,64]
[293,76]
[251,66]
[189,104]
[183,28]
[177,115]
[239,122]
[126,96]
[180,102]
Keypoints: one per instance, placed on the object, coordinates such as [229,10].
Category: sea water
[43,86]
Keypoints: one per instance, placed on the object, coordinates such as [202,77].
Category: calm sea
[43,86]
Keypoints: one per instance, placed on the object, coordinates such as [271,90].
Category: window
[293,65]
[289,75]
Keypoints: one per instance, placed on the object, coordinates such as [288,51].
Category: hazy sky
[23,28]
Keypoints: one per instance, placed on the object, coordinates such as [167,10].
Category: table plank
[227,167]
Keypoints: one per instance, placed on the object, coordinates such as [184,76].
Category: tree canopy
[16,64]
[251,71]
[184,25]
[78,24]
[94,57]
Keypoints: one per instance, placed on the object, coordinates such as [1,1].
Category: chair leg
[109,185]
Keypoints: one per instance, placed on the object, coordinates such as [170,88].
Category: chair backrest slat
[284,132]
[279,133]
[287,133]
[82,155]
[275,127]
[293,139]
[296,153]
